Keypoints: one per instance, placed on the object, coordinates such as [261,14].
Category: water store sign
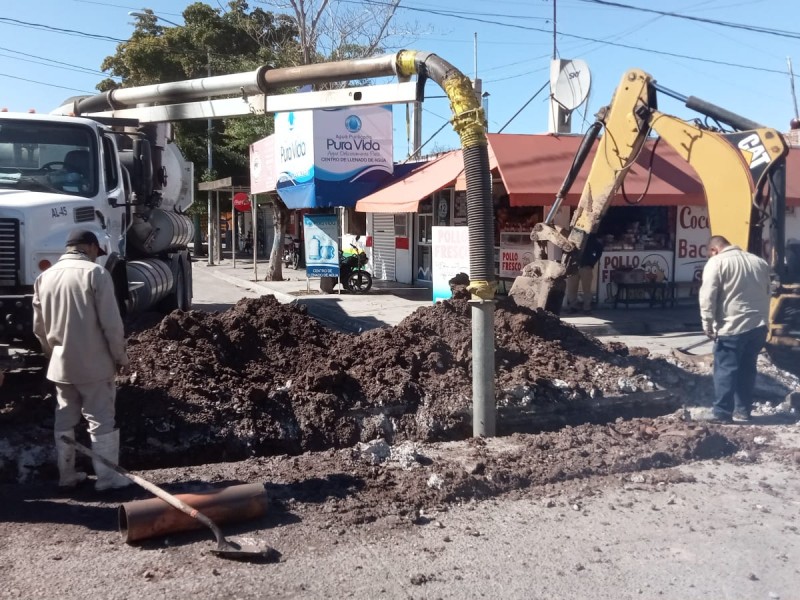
[332,157]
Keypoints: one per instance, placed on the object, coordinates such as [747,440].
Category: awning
[533,167]
[405,194]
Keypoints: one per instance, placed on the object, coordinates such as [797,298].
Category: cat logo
[751,145]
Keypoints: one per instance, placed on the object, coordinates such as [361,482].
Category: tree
[210,42]
[332,30]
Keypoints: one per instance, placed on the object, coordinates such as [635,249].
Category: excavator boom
[733,167]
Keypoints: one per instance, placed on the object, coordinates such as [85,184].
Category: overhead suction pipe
[468,121]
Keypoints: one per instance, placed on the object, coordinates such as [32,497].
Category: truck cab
[58,173]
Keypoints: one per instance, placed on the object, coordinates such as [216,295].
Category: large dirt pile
[265,378]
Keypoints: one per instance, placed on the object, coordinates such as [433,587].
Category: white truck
[126,182]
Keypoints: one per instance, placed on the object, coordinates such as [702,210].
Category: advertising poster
[352,146]
[655,264]
[322,248]
[450,257]
[516,251]
[294,158]
[691,238]
[262,165]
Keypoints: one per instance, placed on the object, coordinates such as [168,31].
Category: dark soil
[265,378]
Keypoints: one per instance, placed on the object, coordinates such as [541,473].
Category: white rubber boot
[107,446]
[65,455]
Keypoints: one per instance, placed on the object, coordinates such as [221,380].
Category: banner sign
[450,257]
[691,239]
[262,166]
[333,157]
[322,247]
[516,251]
[294,158]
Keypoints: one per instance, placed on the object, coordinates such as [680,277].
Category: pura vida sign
[332,157]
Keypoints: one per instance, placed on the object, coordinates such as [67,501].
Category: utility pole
[211,237]
[555,47]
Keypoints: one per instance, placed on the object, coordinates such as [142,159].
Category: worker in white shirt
[734,309]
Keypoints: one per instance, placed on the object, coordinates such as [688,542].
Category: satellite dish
[572,84]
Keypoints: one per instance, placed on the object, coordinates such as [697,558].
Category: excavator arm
[733,168]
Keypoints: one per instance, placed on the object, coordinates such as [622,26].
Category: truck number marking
[58,211]
[758,154]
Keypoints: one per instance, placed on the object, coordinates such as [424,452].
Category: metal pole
[255,237]
[234,219]
[210,233]
[209,169]
[555,48]
[483,401]
[217,230]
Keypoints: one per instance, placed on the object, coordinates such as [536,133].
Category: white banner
[294,146]
[450,257]
[262,166]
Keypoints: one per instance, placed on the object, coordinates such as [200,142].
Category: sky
[507,43]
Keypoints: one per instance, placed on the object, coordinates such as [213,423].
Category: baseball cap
[84,236]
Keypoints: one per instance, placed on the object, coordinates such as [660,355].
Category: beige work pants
[583,278]
[95,401]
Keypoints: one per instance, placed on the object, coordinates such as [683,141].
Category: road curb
[255,286]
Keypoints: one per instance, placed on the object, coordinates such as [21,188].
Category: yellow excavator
[743,172]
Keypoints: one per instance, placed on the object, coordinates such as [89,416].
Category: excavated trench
[264,378]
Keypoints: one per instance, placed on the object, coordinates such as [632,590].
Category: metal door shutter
[383,254]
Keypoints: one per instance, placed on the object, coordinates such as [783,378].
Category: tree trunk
[280,216]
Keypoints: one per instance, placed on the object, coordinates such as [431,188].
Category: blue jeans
[735,359]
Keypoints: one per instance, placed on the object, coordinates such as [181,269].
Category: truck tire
[178,298]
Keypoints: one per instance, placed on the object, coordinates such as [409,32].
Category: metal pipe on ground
[143,519]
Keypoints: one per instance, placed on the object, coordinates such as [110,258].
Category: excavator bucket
[542,284]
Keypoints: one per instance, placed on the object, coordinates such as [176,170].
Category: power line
[596,40]
[72,32]
[56,63]
[47,84]
[539,91]
[743,26]
[122,6]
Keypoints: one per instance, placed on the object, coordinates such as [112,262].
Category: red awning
[404,195]
[533,167]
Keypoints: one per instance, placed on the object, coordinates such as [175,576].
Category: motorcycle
[353,271]
[291,252]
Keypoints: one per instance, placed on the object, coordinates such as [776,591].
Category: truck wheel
[178,298]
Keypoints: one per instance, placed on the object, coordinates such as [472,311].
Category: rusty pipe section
[143,519]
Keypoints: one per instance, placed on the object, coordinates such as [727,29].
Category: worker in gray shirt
[734,309]
[76,319]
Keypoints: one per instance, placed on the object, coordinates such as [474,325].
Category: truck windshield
[47,157]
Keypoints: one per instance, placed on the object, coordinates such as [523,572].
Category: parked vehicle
[353,270]
[291,252]
[128,184]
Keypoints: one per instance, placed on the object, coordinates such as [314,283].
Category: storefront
[656,231]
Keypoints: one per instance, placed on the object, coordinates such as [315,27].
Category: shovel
[243,549]
[684,354]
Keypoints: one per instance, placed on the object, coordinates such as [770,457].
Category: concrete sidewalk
[388,303]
